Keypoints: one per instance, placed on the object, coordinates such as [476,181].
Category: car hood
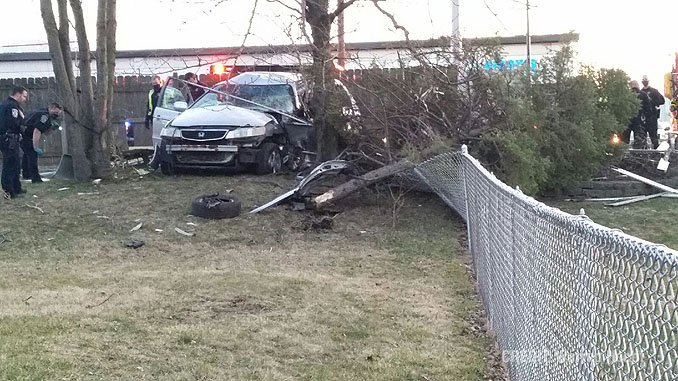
[222,115]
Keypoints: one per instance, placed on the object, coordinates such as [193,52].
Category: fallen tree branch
[358,183]
[36,207]
[97,305]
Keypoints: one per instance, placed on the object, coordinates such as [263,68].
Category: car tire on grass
[214,206]
[269,159]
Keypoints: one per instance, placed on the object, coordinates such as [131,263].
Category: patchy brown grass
[255,297]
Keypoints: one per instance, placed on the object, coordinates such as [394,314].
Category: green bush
[555,128]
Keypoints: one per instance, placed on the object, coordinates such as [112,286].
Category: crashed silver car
[254,120]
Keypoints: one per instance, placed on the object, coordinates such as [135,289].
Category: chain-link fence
[568,299]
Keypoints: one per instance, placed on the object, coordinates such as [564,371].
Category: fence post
[464,151]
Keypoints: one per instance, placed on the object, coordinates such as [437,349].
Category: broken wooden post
[360,182]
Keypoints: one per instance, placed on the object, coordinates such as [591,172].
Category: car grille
[203,134]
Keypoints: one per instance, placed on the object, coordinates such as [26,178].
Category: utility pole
[528,39]
[456,37]
[340,31]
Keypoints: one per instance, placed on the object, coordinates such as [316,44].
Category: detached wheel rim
[274,161]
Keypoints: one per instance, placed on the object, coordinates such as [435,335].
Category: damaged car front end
[247,122]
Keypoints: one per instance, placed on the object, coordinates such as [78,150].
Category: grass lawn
[255,297]
[654,220]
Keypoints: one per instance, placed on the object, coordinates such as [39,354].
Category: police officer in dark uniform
[37,123]
[11,117]
[637,122]
[651,124]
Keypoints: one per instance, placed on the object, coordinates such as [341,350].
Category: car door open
[172,102]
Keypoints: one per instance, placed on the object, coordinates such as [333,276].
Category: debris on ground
[301,193]
[302,189]
[361,182]
[646,180]
[63,189]
[136,227]
[182,232]
[621,200]
[317,223]
[141,172]
[215,206]
[636,199]
[134,244]
[35,206]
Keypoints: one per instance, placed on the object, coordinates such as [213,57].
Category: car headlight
[246,132]
[168,131]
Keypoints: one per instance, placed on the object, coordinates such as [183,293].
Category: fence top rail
[598,233]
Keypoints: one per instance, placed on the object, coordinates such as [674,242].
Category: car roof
[261,78]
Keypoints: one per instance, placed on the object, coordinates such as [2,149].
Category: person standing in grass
[11,117]
[37,123]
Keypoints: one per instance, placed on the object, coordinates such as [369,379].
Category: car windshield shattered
[279,97]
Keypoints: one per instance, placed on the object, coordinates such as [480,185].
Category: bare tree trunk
[65,80]
[320,20]
[64,40]
[88,106]
[111,28]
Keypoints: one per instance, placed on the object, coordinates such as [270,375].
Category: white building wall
[386,58]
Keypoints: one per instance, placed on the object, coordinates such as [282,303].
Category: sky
[631,35]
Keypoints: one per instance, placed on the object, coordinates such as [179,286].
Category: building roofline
[284,49]
[520,39]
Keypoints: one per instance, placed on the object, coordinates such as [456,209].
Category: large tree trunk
[320,20]
[57,40]
[88,107]
[92,97]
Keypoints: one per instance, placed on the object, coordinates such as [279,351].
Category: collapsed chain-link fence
[568,299]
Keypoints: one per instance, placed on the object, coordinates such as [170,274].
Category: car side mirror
[180,106]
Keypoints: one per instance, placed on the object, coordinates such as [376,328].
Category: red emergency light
[220,68]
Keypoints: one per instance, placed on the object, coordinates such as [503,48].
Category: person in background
[37,123]
[11,117]
[196,91]
[637,122]
[153,97]
[651,123]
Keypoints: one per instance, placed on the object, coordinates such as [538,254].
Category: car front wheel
[269,160]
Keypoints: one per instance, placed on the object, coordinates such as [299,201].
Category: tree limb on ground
[361,182]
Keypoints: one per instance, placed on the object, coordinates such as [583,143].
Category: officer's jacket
[36,120]
[11,116]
